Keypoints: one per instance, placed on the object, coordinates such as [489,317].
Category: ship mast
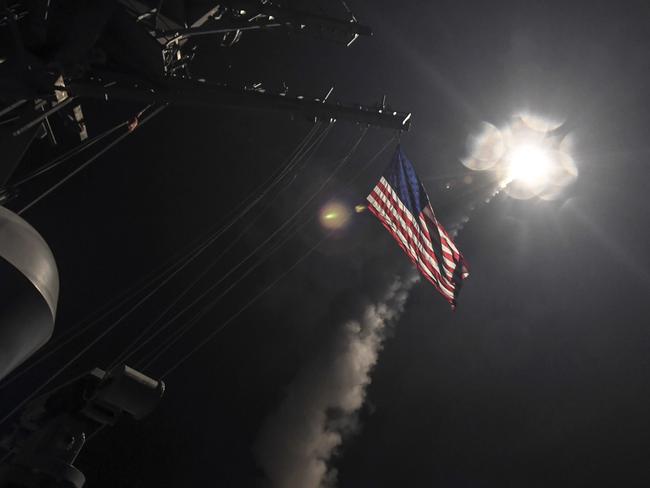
[153,50]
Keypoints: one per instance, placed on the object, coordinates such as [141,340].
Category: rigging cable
[103,334]
[148,359]
[177,335]
[158,287]
[82,326]
[172,340]
[342,162]
[67,155]
[76,150]
[90,160]
[78,329]
[223,278]
[372,160]
[137,344]
[225,324]
[112,326]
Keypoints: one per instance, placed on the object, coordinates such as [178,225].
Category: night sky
[539,379]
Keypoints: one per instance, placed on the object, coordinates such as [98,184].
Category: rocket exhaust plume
[298,440]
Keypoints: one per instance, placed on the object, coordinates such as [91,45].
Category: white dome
[29,291]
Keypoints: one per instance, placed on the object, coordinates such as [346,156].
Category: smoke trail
[459,223]
[298,441]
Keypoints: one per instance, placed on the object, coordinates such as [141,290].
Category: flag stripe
[411,231]
[381,200]
[405,213]
[402,243]
[388,190]
[380,213]
[411,243]
[401,204]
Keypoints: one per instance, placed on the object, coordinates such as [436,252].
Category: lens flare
[486,148]
[334,215]
[539,123]
[531,156]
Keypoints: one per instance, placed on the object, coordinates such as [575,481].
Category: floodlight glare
[529,164]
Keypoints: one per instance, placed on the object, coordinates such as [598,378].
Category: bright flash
[531,156]
[529,164]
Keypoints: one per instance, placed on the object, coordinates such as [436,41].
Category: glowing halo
[538,123]
[486,148]
[334,215]
[527,155]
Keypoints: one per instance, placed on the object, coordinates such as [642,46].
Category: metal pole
[12,106]
[40,118]
[194,94]
[182,34]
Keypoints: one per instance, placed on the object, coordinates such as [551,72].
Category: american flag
[402,205]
